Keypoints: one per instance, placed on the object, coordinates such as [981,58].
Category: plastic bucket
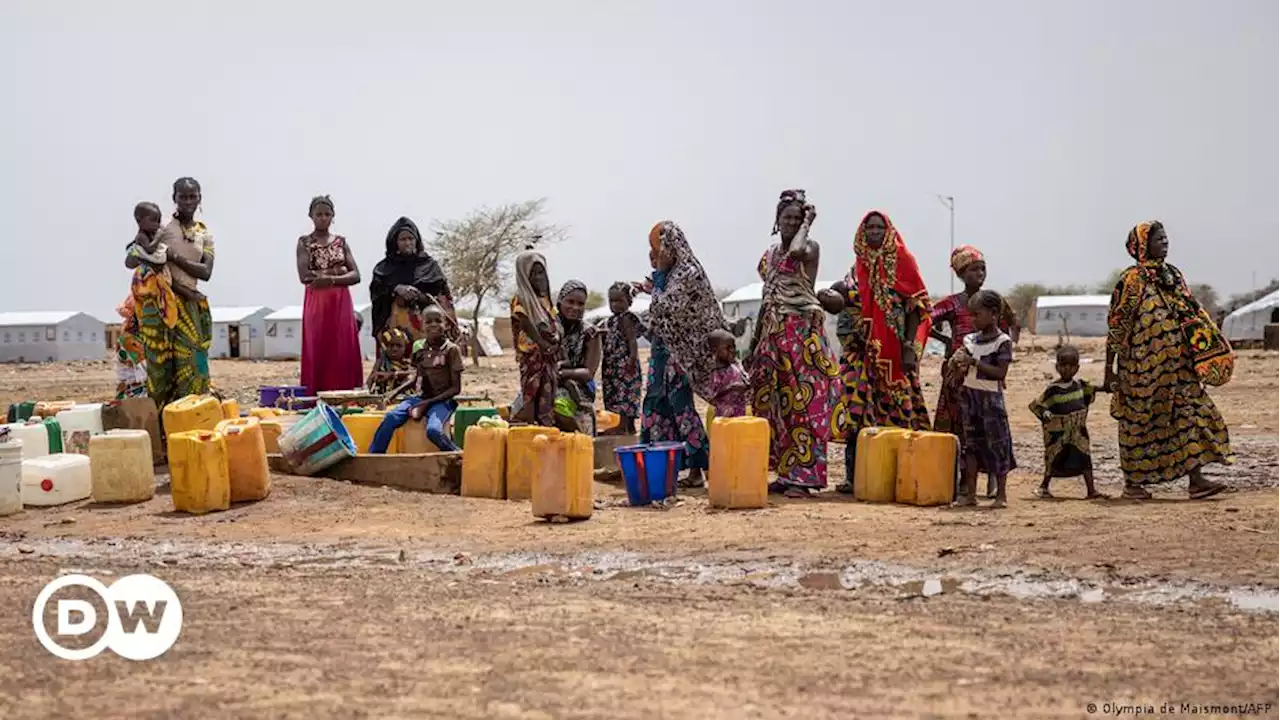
[317,441]
[650,471]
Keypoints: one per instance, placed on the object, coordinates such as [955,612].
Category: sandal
[777,487]
[845,488]
[1095,495]
[691,483]
[1043,493]
[796,493]
[965,501]
[1206,490]
[1135,493]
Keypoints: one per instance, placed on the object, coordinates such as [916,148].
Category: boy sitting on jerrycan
[438,379]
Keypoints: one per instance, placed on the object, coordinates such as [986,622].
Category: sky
[1056,126]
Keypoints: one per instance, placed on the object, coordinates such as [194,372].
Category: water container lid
[10,445]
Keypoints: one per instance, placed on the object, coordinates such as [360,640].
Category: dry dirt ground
[334,600]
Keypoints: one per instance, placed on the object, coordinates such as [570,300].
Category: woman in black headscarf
[406,281]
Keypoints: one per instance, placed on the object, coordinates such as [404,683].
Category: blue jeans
[437,415]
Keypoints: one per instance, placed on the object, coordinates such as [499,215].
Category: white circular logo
[144,617]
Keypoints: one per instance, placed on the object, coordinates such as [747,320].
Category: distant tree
[1235,302]
[1208,298]
[478,251]
[1106,286]
[595,300]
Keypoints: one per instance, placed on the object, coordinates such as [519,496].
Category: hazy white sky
[1056,125]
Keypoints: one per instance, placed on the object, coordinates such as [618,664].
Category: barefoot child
[394,366]
[439,381]
[970,265]
[984,359]
[623,386]
[533,321]
[1063,407]
[729,382]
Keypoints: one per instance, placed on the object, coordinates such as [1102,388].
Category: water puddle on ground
[865,577]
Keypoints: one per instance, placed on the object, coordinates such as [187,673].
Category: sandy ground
[333,600]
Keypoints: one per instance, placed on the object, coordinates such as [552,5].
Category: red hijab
[889,285]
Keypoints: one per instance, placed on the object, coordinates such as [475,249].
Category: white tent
[488,340]
[58,335]
[745,303]
[1077,315]
[597,317]
[1248,322]
[284,332]
[239,332]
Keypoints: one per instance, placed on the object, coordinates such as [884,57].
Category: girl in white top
[985,358]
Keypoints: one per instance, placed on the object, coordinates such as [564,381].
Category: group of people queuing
[1162,349]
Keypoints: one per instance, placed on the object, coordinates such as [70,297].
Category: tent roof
[1266,302]
[293,312]
[1057,301]
[755,291]
[235,314]
[38,317]
[639,306]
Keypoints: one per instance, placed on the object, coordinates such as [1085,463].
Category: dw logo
[144,617]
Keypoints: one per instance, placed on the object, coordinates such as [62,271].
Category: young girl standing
[533,321]
[984,360]
[970,266]
[623,386]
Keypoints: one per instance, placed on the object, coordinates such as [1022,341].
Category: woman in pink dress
[330,343]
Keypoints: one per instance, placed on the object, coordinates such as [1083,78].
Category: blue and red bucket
[650,471]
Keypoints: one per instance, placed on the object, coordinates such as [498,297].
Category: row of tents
[260,332]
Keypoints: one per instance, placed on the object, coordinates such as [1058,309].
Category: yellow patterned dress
[1169,425]
[175,340]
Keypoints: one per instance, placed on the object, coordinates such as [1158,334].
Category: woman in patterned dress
[792,368]
[330,343]
[890,305]
[177,355]
[1161,349]
[683,312]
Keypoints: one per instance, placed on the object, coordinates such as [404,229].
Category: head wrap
[530,299]
[964,256]
[391,335]
[419,270]
[1136,243]
[889,284]
[684,308]
[566,290]
[320,200]
[1155,270]
[786,199]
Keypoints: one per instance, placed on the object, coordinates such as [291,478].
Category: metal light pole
[950,203]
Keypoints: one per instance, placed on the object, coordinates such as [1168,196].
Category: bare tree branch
[478,251]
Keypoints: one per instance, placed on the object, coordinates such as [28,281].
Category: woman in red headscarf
[890,306]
